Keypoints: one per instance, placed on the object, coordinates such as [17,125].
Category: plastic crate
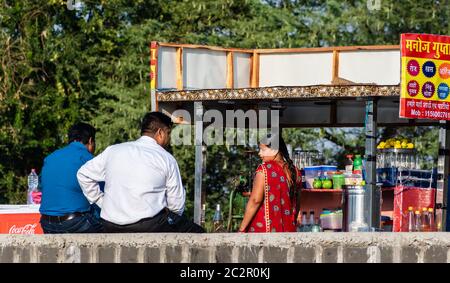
[387,176]
[312,172]
[405,196]
[393,176]
[420,178]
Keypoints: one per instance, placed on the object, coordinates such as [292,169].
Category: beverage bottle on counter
[303,224]
[202,216]
[316,227]
[417,221]
[217,220]
[349,164]
[431,219]
[311,221]
[438,222]
[357,165]
[33,184]
[425,220]
[411,221]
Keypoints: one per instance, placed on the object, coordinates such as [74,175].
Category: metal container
[353,208]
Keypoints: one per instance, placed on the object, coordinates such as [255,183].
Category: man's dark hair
[81,132]
[153,121]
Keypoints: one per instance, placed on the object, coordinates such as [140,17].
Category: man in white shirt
[143,188]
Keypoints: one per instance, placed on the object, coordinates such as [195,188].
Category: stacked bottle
[417,221]
[411,221]
[431,218]
[311,225]
[420,220]
[303,224]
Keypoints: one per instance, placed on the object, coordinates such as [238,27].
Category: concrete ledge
[227,248]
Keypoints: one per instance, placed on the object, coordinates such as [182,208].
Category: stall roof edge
[274,92]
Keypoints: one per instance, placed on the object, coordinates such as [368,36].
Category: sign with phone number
[425,76]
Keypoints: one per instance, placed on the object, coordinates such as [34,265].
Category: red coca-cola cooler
[20,219]
[405,196]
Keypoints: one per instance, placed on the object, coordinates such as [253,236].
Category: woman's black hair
[275,141]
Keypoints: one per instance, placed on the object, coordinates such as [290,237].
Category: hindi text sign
[425,76]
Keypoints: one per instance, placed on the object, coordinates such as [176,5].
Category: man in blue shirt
[64,208]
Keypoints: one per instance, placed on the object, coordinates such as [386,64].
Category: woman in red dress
[276,191]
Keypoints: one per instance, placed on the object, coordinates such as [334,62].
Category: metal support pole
[153,75]
[198,124]
[443,171]
[153,103]
[372,199]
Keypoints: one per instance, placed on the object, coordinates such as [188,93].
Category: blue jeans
[86,223]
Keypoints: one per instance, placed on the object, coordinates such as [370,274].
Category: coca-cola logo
[26,229]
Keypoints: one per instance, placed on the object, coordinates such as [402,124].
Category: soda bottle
[411,222]
[349,164]
[33,184]
[217,220]
[357,165]
[417,221]
[431,219]
[425,221]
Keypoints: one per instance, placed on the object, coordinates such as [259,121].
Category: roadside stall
[354,86]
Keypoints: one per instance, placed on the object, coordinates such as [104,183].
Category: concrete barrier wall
[228,248]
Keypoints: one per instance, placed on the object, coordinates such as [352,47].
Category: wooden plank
[179,69]
[335,69]
[329,49]
[230,70]
[285,50]
[213,48]
[254,70]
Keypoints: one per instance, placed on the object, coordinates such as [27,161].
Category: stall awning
[293,92]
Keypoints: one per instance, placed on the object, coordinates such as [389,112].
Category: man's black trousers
[165,222]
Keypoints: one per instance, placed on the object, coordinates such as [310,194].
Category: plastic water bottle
[411,220]
[431,219]
[418,221]
[217,220]
[202,216]
[311,221]
[33,183]
[303,224]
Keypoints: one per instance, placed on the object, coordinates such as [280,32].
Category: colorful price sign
[425,76]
